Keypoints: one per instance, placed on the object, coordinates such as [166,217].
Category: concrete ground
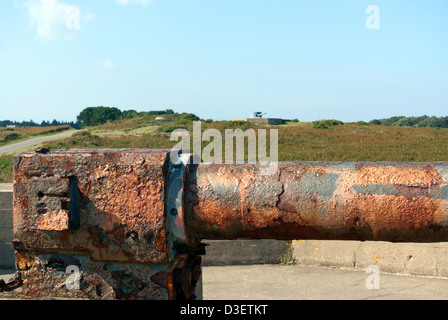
[292,282]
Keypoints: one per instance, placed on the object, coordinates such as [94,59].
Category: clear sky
[223,59]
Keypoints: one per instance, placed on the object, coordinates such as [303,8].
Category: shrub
[82,139]
[325,124]
[171,127]
[11,137]
[187,116]
[375,122]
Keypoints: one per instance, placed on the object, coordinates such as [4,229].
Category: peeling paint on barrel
[319,200]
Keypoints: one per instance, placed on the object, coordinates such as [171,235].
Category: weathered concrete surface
[6,233]
[280,282]
[243,252]
[6,187]
[425,259]
[421,259]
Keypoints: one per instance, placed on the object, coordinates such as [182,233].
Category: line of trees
[93,116]
[31,123]
[422,121]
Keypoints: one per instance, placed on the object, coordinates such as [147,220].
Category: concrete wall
[243,252]
[423,259]
[262,121]
[6,234]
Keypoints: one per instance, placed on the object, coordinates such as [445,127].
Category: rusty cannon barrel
[129,223]
[387,201]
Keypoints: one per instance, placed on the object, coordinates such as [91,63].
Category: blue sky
[222,59]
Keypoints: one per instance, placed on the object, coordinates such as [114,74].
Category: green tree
[92,116]
[188,116]
[325,124]
[129,114]
[409,121]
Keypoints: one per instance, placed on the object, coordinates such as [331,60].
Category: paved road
[280,282]
[23,145]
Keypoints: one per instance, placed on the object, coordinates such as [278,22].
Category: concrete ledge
[6,187]
[7,259]
[6,219]
[243,252]
[6,235]
[6,227]
[423,259]
[6,200]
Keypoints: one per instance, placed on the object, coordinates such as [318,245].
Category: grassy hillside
[350,142]
[297,141]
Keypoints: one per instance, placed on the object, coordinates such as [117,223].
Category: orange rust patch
[121,193]
[318,171]
[390,212]
[24,261]
[241,204]
[409,175]
[214,213]
[54,221]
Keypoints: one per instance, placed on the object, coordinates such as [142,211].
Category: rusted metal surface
[101,212]
[117,214]
[317,200]
[44,275]
[131,221]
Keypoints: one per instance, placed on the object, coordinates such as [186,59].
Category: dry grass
[350,142]
[32,131]
[122,125]
[297,142]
